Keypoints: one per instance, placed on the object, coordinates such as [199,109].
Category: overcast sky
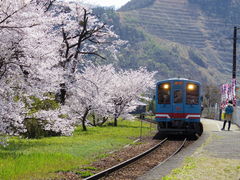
[115,3]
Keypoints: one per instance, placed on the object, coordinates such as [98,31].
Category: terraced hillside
[202,42]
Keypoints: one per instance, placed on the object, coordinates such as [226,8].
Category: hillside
[179,38]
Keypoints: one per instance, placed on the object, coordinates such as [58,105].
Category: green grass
[42,158]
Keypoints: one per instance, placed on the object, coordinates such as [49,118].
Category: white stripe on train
[187,117]
[192,116]
[163,115]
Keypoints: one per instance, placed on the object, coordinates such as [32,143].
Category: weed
[84,174]
[90,168]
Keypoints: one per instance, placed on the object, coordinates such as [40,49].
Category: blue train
[178,106]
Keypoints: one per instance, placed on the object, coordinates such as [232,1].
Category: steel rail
[125,163]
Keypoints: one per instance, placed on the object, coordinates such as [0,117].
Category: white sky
[115,3]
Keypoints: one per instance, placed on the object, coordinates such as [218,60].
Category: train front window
[192,93]
[164,93]
[177,96]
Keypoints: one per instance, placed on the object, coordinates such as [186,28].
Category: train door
[178,99]
[178,108]
[164,100]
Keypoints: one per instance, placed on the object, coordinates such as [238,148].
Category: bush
[35,129]
[35,126]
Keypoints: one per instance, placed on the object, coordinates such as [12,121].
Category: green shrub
[38,104]
[35,126]
[35,129]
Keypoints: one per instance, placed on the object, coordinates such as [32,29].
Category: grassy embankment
[42,158]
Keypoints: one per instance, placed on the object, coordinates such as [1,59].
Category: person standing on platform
[228,115]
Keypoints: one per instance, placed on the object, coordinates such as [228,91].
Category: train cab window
[164,93]
[192,93]
[177,96]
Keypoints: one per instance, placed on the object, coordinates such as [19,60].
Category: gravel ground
[117,157]
[160,171]
[126,153]
[141,166]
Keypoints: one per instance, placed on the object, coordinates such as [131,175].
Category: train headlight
[191,87]
[166,86]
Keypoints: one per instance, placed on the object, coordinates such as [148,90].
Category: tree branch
[48,5]
[10,15]
[92,53]
[18,27]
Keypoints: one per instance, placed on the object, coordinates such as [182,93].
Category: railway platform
[215,155]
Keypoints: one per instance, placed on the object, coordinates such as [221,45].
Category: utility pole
[234,60]
[234,52]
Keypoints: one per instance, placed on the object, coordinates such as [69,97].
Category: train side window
[192,93]
[177,96]
[164,93]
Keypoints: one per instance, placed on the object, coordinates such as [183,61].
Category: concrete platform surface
[213,142]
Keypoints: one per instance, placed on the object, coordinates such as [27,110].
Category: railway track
[136,166]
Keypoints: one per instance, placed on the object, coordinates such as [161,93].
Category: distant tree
[212,95]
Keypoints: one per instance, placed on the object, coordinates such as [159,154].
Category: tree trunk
[115,121]
[115,115]
[84,125]
[103,121]
[84,120]
[94,119]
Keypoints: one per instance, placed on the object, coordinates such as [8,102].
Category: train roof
[178,79]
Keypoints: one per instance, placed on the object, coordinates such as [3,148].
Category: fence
[236,115]
[213,113]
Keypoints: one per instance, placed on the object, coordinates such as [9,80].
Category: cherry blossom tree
[83,37]
[25,69]
[90,92]
[107,93]
[42,45]
[128,86]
